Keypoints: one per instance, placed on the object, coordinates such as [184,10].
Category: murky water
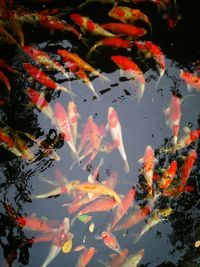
[170,242]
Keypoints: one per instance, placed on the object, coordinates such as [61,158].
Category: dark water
[169,243]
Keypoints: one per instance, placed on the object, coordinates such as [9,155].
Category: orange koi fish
[42,78]
[150,50]
[5,80]
[86,257]
[133,260]
[127,29]
[40,102]
[99,189]
[191,80]
[64,127]
[60,238]
[187,166]
[35,224]
[134,219]
[44,59]
[102,204]
[127,14]
[115,130]
[131,67]
[148,165]
[73,117]
[173,116]
[168,175]
[189,138]
[55,24]
[73,67]
[66,188]
[123,208]
[110,41]
[110,241]
[8,143]
[118,259]
[79,61]
[87,24]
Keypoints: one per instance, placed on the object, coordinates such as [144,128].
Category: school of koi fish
[125,30]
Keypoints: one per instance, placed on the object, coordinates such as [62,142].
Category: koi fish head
[76,18]
[112,117]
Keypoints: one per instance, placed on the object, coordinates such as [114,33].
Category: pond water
[171,242]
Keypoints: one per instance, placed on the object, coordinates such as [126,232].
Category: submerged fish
[168,176]
[133,260]
[187,166]
[191,80]
[86,257]
[73,117]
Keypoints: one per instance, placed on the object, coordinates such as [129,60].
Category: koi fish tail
[92,49]
[73,220]
[126,166]
[136,238]
[93,90]
[85,41]
[160,77]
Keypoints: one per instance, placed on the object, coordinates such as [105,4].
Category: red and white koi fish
[191,80]
[133,260]
[44,59]
[42,78]
[60,238]
[87,24]
[187,166]
[110,41]
[115,130]
[123,208]
[73,117]
[73,67]
[40,102]
[173,116]
[127,14]
[134,219]
[64,127]
[150,50]
[86,257]
[131,67]
[110,241]
[148,165]
[127,29]
[168,175]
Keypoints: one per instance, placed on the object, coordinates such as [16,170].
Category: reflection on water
[39,186]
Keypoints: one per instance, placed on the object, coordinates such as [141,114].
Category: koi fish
[110,41]
[174,191]
[99,189]
[73,117]
[187,166]
[44,59]
[92,177]
[87,24]
[79,61]
[168,175]
[127,14]
[148,165]
[127,29]
[35,224]
[133,260]
[5,80]
[66,188]
[123,208]
[104,204]
[115,130]
[172,14]
[118,259]
[64,126]
[59,25]
[131,67]
[150,50]
[42,78]
[191,80]
[86,257]
[134,219]
[60,238]
[110,241]
[155,218]
[188,139]
[173,116]
[40,102]
[73,67]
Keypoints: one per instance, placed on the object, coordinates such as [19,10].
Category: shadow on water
[169,243]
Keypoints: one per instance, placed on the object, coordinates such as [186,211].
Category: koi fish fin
[126,166]
[136,238]
[141,160]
